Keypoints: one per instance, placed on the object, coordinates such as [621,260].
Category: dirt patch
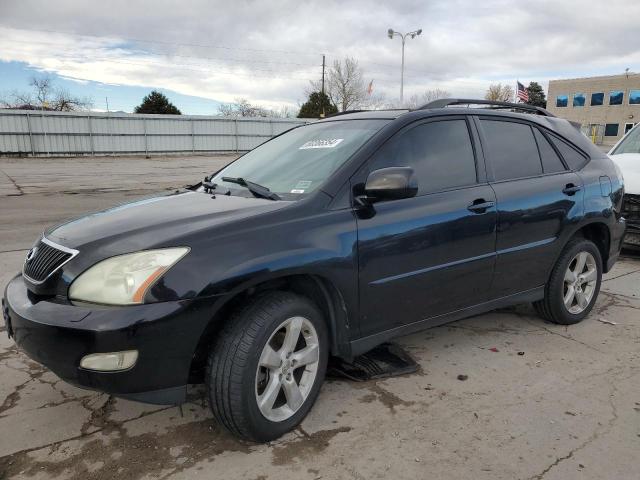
[388,399]
[305,446]
[118,455]
[9,352]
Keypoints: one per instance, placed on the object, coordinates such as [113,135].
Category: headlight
[125,279]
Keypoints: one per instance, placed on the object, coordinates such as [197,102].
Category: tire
[558,289]
[236,381]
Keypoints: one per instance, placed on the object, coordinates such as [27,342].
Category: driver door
[432,254]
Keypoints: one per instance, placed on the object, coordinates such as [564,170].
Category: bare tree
[22,100]
[284,111]
[63,101]
[42,89]
[45,96]
[435,94]
[417,100]
[241,107]
[345,84]
[375,101]
[499,93]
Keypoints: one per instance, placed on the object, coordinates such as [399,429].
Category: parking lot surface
[540,401]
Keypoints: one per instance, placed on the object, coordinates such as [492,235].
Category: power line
[71,56]
[189,66]
[148,52]
[233,60]
[140,40]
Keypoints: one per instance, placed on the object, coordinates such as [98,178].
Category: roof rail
[445,102]
[344,112]
[347,112]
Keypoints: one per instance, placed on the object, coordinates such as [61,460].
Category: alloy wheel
[287,369]
[580,281]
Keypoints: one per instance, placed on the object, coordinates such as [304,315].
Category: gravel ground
[540,400]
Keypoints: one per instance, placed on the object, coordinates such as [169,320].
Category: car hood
[157,220]
[629,164]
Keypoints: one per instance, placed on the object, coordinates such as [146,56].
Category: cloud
[269,51]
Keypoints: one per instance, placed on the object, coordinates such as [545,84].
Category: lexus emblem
[31,254]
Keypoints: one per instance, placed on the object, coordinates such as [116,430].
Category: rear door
[537,196]
[432,254]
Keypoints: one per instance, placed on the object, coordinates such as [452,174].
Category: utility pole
[322,97]
[106,99]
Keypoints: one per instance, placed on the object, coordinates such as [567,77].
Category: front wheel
[267,365]
[574,284]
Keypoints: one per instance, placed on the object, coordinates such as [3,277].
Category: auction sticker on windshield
[321,143]
[301,186]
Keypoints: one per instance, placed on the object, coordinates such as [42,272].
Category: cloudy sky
[201,52]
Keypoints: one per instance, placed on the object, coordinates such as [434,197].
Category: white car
[626,154]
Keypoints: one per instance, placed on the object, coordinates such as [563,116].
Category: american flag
[523,95]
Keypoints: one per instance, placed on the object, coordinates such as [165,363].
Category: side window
[440,154]
[551,162]
[512,149]
[574,159]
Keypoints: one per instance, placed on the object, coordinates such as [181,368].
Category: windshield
[299,161]
[630,143]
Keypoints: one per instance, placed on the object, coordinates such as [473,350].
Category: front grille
[44,259]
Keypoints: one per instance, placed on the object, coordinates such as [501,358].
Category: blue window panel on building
[562,100]
[597,99]
[611,130]
[578,99]
[616,97]
[634,97]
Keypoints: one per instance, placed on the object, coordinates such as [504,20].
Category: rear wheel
[266,367]
[574,284]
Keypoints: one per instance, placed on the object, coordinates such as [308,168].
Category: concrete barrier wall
[41,133]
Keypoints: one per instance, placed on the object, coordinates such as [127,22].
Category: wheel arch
[596,231]
[318,289]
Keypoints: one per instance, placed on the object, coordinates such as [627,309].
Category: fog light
[110,362]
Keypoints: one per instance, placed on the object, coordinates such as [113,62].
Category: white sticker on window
[303,184]
[297,190]
[321,143]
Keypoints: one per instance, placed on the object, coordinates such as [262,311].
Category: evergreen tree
[312,108]
[156,102]
[536,95]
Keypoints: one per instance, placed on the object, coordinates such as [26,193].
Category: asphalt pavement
[540,401]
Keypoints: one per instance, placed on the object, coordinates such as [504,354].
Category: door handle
[571,189]
[480,205]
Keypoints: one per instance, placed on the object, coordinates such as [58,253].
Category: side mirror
[391,183]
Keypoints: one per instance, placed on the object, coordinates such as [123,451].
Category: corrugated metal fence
[32,132]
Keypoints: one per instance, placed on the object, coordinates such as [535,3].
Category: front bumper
[632,236]
[631,212]
[58,334]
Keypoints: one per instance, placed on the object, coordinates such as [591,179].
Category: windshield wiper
[255,188]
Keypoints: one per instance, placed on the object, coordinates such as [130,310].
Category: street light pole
[392,33]
[402,74]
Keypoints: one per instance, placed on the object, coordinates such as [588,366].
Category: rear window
[512,149]
[574,159]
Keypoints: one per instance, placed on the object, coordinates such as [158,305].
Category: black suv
[326,240]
